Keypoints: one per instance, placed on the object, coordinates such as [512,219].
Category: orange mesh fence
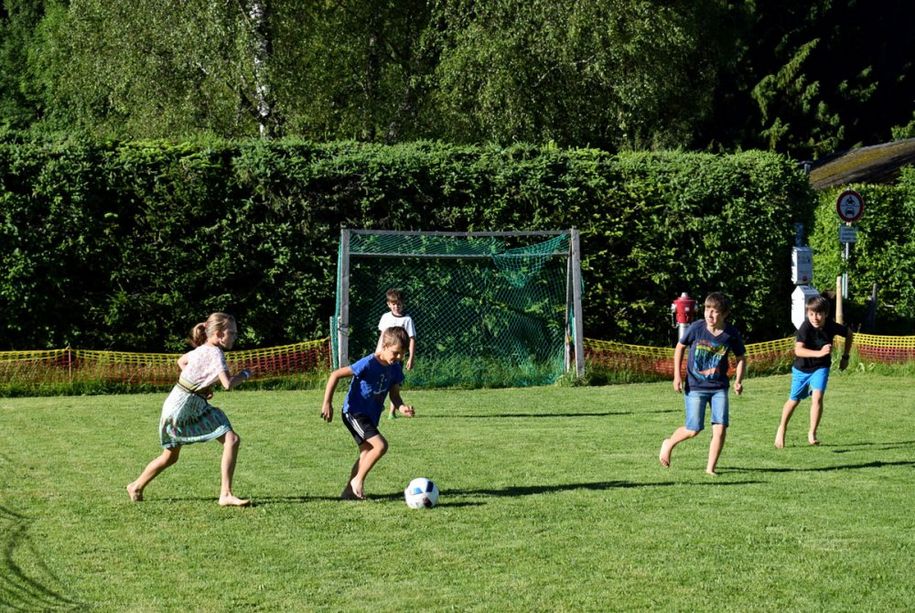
[885,349]
[63,366]
[76,365]
[769,356]
[659,360]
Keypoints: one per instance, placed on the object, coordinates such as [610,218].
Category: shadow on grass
[533,490]
[776,469]
[512,492]
[500,415]
[18,590]
[885,445]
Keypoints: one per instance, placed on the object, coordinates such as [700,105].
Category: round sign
[849,205]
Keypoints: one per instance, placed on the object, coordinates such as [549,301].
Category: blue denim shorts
[696,401]
[803,383]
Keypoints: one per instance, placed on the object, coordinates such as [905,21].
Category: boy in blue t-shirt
[373,377]
[812,361]
[708,341]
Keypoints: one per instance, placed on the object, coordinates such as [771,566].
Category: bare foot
[780,439]
[231,500]
[711,473]
[664,456]
[135,494]
[812,439]
[347,493]
[357,489]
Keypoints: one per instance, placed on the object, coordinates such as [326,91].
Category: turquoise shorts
[804,383]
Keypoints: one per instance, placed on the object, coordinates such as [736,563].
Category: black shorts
[360,426]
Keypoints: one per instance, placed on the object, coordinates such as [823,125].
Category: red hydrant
[683,310]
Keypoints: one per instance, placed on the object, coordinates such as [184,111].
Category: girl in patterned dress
[188,418]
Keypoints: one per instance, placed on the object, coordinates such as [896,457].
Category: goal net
[491,309]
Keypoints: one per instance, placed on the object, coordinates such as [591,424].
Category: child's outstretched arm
[404,409]
[230,381]
[801,351]
[678,359]
[849,338]
[412,353]
[741,371]
[327,408]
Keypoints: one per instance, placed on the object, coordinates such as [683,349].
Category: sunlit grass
[552,499]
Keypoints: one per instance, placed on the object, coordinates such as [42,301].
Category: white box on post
[801,265]
[799,303]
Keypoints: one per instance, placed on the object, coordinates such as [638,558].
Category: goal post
[491,309]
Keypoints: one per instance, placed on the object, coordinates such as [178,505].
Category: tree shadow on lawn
[18,590]
[777,469]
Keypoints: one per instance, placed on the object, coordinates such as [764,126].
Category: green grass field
[552,499]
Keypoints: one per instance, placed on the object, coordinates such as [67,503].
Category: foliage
[124,246]
[814,78]
[617,74]
[551,499]
[884,253]
[800,78]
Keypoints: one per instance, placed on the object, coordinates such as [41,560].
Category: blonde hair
[217,322]
[395,335]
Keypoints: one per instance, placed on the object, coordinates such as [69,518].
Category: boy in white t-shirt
[397,317]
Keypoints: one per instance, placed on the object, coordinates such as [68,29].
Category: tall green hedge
[884,253]
[125,246]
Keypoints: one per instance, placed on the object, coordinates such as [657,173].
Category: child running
[372,378]
[812,361]
[709,341]
[188,418]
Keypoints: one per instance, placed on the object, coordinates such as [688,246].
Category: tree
[608,73]
[141,70]
[812,78]
[19,106]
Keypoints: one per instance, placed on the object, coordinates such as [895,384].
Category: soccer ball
[421,493]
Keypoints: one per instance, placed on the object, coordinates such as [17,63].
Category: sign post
[849,206]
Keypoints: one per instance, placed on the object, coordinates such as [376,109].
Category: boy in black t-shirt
[812,360]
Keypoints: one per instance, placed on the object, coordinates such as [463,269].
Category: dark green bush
[125,246]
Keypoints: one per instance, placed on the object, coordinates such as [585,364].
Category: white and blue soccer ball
[421,493]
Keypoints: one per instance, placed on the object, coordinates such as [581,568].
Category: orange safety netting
[873,348]
[73,365]
[68,365]
[769,355]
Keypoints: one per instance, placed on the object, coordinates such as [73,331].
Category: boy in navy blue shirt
[373,377]
[709,342]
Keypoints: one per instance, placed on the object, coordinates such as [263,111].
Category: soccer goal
[491,309]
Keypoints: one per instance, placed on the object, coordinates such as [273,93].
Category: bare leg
[168,457]
[787,410]
[668,444]
[347,493]
[719,433]
[370,452]
[230,443]
[816,412]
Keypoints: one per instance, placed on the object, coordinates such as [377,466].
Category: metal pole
[343,289]
[845,272]
[576,297]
